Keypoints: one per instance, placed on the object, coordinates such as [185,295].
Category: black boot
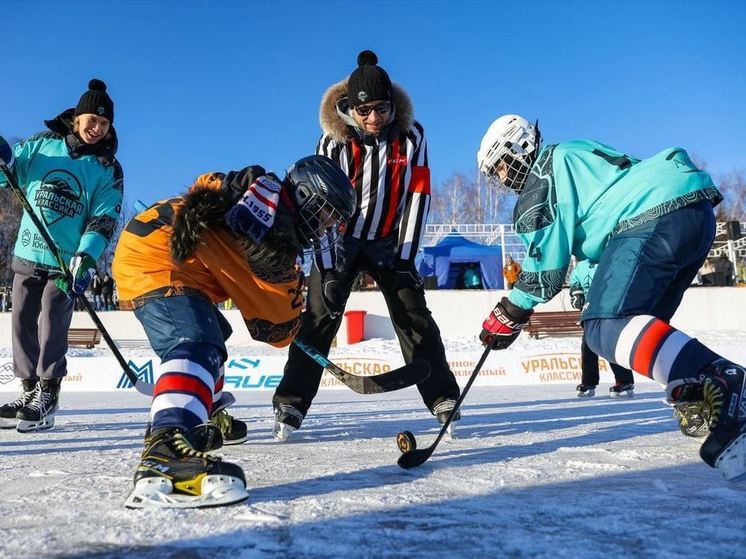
[691,412]
[173,472]
[234,430]
[8,412]
[724,393]
[622,389]
[585,391]
[287,419]
[38,414]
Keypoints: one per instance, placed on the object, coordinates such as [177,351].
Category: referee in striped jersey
[370,131]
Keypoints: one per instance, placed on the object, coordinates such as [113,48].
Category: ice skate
[38,414]
[9,411]
[622,390]
[442,411]
[234,431]
[287,420]
[690,411]
[585,391]
[724,392]
[173,473]
[693,418]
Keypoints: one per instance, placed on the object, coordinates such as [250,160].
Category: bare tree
[733,188]
[463,198]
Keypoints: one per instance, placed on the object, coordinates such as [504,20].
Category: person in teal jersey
[73,182]
[580,283]
[649,224]
[472,277]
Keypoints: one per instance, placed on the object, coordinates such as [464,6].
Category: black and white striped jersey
[392,181]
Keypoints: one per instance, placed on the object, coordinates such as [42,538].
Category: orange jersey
[269,302]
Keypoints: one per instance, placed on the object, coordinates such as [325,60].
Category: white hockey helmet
[515,141]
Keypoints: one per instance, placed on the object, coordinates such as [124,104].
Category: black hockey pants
[589,364]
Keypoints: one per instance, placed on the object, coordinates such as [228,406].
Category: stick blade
[414,458]
[399,378]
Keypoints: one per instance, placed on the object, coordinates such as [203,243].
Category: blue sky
[203,86]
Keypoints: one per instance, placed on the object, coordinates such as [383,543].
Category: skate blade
[217,491]
[588,394]
[8,422]
[451,432]
[29,426]
[282,431]
[732,460]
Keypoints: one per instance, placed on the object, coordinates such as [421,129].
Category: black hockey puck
[406,441]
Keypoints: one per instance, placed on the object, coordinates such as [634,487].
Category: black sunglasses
[381,108]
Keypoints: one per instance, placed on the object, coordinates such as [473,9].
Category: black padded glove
[332,293]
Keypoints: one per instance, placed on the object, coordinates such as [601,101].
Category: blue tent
[447,259]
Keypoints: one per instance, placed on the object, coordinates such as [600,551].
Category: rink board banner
[265,372]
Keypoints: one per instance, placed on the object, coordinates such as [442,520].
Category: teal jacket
[75,188]
[579,193]
[582,275]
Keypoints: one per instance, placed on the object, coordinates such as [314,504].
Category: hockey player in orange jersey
[237,236]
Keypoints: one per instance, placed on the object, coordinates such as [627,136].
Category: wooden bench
[83,337]
[553,323]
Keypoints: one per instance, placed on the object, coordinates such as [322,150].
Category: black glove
[577,297]
[237,182]
[331,293]
[502,326]
[406,276]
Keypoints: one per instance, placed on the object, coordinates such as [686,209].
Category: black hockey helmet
[323,195]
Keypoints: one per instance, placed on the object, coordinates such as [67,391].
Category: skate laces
[223,421]
[40,401]
[713,401]
[444,406]
[25,398]
[184,447]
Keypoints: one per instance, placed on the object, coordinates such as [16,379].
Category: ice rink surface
[535,472]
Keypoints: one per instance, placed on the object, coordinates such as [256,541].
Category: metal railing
[503,234]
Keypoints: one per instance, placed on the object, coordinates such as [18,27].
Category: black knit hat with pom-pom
[96,101]
[368,82]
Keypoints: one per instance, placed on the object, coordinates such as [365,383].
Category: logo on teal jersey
[59,196]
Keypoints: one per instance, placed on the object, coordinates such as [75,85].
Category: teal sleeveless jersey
[581,192]
[78,200]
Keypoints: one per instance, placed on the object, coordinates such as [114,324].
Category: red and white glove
[502,326]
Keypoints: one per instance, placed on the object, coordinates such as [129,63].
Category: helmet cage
[517,148]
[319,223]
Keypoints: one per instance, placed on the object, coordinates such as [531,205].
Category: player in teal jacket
[580,284]
[74,184]
[649,224]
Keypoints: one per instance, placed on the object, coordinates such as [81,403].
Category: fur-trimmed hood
[336,121]
[204,207]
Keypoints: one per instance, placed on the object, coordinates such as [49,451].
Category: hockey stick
[397,379]
[140,385]
[417,456]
